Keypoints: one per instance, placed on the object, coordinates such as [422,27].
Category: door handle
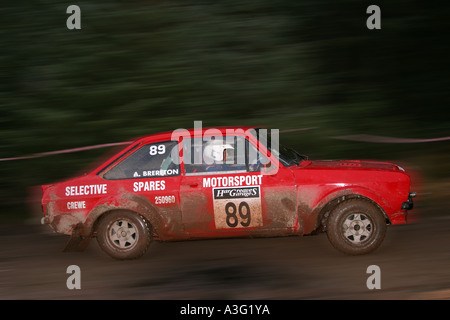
[192,185]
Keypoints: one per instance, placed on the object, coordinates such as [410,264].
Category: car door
[224,194]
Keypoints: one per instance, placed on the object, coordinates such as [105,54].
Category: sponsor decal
[149,186]
[238,207]
[231,193]
[232,181]
[74,205]
[86,190]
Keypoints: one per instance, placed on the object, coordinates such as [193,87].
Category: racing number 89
[160,149]
[244,213]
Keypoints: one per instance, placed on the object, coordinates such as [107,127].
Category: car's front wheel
[356,227]
[124,235]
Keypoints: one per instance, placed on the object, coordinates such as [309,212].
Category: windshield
[286,155]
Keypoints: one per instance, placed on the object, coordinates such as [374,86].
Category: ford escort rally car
[221,183]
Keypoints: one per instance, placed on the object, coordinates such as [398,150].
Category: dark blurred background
[139,67]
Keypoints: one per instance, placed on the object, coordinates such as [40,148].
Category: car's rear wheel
[124,235]
[356,227]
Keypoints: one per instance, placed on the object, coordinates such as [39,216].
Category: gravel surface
[414,262]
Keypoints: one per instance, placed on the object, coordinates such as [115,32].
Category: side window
[149,161]
[225,155]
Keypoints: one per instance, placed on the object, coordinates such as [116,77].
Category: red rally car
[226,182]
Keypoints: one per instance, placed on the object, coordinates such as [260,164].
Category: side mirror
[269,169]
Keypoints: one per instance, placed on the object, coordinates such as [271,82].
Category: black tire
[124,235]
[356,227]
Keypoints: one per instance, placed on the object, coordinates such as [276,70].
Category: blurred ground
[414,261]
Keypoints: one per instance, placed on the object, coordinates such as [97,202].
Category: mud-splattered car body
[179,199]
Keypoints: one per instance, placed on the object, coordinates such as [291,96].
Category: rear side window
[149,161]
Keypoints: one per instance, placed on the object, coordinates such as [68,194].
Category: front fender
[313,202]
[356,191]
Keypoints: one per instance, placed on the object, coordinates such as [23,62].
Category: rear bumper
[45,220]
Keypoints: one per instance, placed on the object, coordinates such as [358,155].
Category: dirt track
[414,261]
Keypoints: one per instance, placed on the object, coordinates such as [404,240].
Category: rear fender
[135,203]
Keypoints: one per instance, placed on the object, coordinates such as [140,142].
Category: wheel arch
[136,204]
[328,204]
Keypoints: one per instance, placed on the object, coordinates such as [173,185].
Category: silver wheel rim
[123,234]
[357,228]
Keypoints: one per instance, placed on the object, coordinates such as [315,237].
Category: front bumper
[408,205]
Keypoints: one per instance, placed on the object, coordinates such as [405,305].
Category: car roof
[164,136]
